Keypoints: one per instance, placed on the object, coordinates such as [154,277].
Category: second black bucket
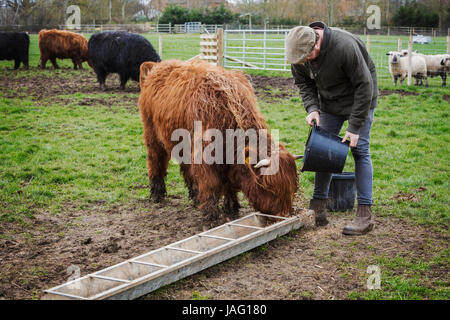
[324,152]
[341,196]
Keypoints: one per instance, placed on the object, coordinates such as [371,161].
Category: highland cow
[15,46]
[119,52]
[176,94]
[59,44]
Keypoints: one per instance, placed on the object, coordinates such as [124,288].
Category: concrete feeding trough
[138,276]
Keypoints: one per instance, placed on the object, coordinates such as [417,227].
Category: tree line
[419,13]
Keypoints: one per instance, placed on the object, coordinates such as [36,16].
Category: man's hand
[313,116]
[353,139]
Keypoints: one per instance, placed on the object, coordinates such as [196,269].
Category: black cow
[14,46]
[119,52]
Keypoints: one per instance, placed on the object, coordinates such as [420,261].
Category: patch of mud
[43,86]
[273,87]
[398,91]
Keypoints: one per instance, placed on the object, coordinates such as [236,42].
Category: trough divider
[245,226]
[66,295]
[216,237]
[109,278]
[268,215]
[149,264]
[185,250]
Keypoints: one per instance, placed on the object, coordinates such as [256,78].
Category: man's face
[314,53]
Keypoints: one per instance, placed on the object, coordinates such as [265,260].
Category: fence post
[220,47]
[160,44]
[448,40]
[399,46]
[409,62]
[448,44]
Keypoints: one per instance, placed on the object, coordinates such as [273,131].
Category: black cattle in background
[119,52]
[15,46]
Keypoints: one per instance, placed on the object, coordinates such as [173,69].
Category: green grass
[405,279]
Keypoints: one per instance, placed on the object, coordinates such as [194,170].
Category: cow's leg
[230,202]
[16,63]
[190,182]
[25,61]
[209,191]
[101,77]
[55,65]
[157,162]
[43,61]
[123,80]
[75,64]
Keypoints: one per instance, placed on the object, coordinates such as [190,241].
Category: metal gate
[256,49]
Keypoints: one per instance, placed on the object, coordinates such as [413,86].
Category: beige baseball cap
[299,44]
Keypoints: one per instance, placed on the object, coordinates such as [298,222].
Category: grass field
[62,150]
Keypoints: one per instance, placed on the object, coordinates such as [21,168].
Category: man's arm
[356,69]
[307,88]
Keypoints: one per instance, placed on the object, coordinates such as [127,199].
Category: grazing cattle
[119,52]
[59,44]
[15,46]
[175,94]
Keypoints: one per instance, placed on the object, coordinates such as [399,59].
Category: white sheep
[398,67]
[435,64]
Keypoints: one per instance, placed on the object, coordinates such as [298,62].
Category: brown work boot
[319,207]
[361,224]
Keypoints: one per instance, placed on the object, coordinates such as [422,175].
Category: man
[337,82]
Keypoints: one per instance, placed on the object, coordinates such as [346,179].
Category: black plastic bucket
[342,193]
[324,152]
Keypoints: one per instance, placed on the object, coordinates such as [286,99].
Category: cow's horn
[298,157]
[262,163]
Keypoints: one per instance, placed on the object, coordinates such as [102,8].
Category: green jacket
[341,81]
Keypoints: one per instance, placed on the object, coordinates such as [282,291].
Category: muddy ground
[307,264]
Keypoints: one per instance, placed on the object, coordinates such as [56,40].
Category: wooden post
[220,47]
[448,44]
[160,45]
[409,62]
[448,40]
[399,46]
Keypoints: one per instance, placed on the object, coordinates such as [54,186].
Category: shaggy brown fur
[174,94]
[60,44]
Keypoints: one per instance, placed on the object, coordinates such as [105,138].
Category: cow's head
[270,183]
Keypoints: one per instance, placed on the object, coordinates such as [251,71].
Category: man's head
[302,44]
